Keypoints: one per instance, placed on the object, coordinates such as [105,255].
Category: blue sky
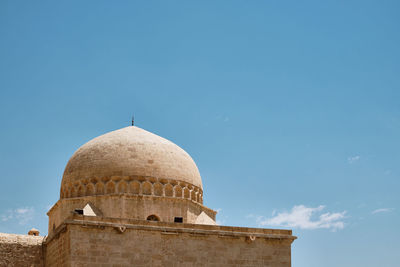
[291,109]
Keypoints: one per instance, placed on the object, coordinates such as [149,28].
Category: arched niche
[99,188]
[122,187]
[146,188]
[81,191]
[193,196]
[110,187]
[158,189]
[169,190]
[186,193]
[178,191]
[134,188]
[153,218]
[89,189]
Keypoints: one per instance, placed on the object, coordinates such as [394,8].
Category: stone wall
[57,252]
[21,250]
[130,207]
[166,244]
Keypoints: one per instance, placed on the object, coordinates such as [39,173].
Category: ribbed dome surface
[131,151]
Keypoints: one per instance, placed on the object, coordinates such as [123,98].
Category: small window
[178,220]
[79,212]
[153,218]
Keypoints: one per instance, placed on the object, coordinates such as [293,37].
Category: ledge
[173,228]
[28,240]
[130,196]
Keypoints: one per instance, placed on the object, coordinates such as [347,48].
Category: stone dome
[129,153]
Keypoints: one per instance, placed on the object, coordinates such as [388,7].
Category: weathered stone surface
[131,151]
[143,243]
[21,250]
[130,207]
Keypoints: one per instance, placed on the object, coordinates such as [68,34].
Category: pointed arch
[89,189]
[178,191]
[134,188]
[169,190]
[110,187]
[158,189]
[122,187]
[146,188]
[186,193]
[81,191]
[99,188]
[193,195]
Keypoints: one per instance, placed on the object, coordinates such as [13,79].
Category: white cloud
[305,218]
[354,159]
[21,215]
[382,210]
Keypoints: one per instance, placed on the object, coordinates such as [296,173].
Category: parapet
[155,243]
[21,250]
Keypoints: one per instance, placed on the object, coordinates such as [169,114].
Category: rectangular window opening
[79,212]
[178,220]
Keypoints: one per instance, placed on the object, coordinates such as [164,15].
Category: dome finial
[133,120]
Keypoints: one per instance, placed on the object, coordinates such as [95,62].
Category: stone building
[132,198]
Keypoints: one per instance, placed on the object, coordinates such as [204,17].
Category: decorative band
[133,185]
